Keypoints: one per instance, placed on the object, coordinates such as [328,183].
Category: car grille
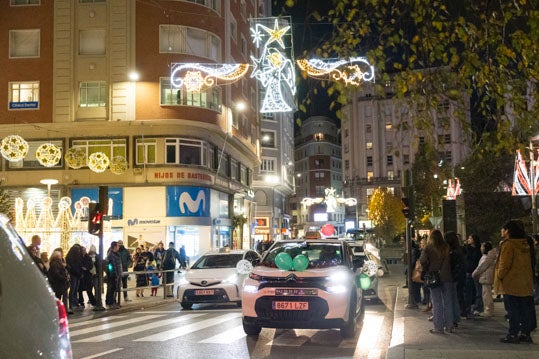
[318,308]
[219,295]
[292,281]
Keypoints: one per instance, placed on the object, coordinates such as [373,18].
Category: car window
[320,255]
[217,261]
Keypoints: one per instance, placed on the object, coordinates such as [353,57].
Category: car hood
[308,273]
[209,276]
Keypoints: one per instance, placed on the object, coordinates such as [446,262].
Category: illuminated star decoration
[195,76]
[330,200]
[48,154]
[348,71]
[273,68]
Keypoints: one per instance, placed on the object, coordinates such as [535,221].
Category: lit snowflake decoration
[370,268]
[75,157]
[48,154]
[98,162]
[118,165]
[14,148]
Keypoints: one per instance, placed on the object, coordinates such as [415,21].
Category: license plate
[204,292]
[290,305]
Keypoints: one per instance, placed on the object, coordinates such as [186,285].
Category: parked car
[307,284]
[34,323]
[216,277]
[370,266]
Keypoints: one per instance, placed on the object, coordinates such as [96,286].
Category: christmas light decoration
[14,148]
[48,155]
[453,189]
[98,162]
[75,157]
[118,165]
[196,76]
[347,71]
[330,200]
[273,68]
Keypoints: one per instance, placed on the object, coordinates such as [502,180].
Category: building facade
[181,162]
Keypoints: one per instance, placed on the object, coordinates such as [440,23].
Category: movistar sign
[183,201]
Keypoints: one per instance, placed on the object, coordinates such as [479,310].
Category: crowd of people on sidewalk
[457,281]
[76,272]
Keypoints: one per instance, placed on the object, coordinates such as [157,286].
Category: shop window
[93,94]
[24,43]
[145,151]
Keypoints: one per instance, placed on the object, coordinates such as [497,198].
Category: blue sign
[23,105]
[183,201]
[115,193]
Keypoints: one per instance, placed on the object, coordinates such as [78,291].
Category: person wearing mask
[127,262]
[435,257]
[169,263]
[114,273]
[513,277]
[58,277]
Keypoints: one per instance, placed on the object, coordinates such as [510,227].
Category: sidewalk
[476,338]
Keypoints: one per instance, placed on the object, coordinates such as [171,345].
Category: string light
[347,71]
[198,76]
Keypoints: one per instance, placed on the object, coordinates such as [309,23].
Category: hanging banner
[274,66]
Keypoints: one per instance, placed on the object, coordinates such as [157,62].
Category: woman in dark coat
[139,260]
[58,277]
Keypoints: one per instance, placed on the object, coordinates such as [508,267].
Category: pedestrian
[513,277]
[184,259]
[58,277]
[472,293]
[435,257]
[426,291]
[74,268]
[33,249]
[139,260]
[86,282]
[158,254]
[94,260]
[127,262]
[415,288]
[458,273]
[154,278]
[45,260]
[169,263]
[484,273]
[114,273]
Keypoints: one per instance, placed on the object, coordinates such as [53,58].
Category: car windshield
[319,254]
[217,261]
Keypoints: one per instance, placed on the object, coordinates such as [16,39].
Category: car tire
[349,329]
[251,329]
[238,303]
[186,305]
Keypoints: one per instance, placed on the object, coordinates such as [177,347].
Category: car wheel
[251,329]
[238,303]
[186,305]
[349,329]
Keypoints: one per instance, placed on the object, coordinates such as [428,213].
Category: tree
[385,212]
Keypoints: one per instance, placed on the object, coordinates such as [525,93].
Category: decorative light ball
[48,154]
[64,203]
[118,165]
[370,268]
[75,157]
[14,148]
[98,162]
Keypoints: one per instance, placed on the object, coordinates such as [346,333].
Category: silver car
[34,323]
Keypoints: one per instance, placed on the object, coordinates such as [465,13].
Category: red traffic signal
[406,210]
[95,218]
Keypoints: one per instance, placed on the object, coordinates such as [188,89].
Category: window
[145,151]
[319,176]
[24,43]
[233,29]
[93,94]
[185,151]
[368,128]
[448,156]
[24,94]
[30,161]
[345,132]
[268,139]
[243,9]
[212,4]
[389,160]
[92,42]
[209,98]
[110,147]
[370,175]
[178,39]
[369,160]
[91,1]
[267,165]
[234,170]
[447,138]
[320,190]
[319,162]
[390,175]
[389,126]
[369,145]
[421,140]
[244,175]
[406,159]
[389,146]
[346,164]
[24,2]
[346,148]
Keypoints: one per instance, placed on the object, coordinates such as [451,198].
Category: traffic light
[406,210]
[95,218]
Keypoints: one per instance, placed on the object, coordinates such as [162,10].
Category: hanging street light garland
[98,162]
[118,165]
[14,148]
[48,154]
[347,71]
[196,77]
[75,157]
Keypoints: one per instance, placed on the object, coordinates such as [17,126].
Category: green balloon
[364,281]
[300,262]
[283,261]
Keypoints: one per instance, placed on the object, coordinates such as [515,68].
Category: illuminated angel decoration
[453,189]
[195,76]
[330,200]
[273,69]
[348,71]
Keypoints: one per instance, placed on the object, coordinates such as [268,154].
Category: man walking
[169,262]
[127,261]
[114,272]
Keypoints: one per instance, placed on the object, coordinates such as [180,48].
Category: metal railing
[168,288]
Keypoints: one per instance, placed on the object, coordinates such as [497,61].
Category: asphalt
[475,338]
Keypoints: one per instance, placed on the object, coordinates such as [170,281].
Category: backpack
[169,260]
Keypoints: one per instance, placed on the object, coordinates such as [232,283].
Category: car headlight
[249,288]
[337,282]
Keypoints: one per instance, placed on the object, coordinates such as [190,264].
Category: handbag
[432,279]
[416,274]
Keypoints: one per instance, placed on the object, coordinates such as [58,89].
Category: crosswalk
[213,327]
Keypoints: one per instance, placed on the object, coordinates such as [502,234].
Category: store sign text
[178,175]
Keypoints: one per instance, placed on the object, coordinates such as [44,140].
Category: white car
[306,284]
[216,277]
[34,323]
